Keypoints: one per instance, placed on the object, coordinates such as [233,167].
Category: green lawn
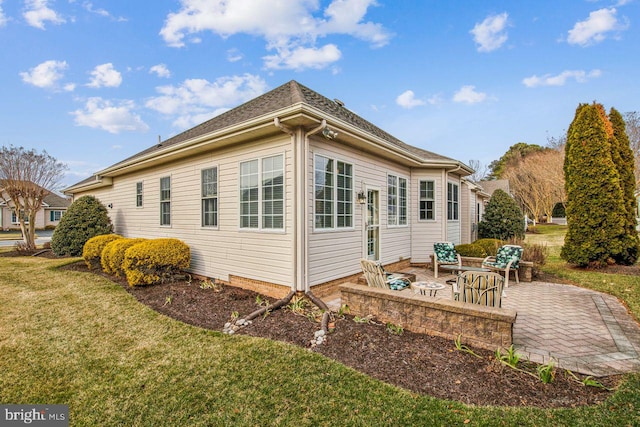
[78,339]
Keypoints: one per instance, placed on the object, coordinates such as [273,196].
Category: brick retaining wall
[479,326]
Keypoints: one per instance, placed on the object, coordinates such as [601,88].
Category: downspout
[446,173]
[300,220]
[324,323]
[305,158]
[291,132]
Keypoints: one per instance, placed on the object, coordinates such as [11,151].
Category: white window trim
[259,228]
[141,194]
[457,202]
[435,205]
[407,204]
[14,216]
[52,212]
[211,227]
[335,227]
[162,201]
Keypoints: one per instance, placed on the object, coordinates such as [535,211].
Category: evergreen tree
[595,208]
[85,218]
[625,162]
[502,218]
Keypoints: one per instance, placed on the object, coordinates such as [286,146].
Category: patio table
[423,287]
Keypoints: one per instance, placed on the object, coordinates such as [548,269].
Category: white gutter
[305,156]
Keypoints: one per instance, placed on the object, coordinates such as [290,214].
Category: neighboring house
[476,198]
[496,184]
[53,207]
[289,191]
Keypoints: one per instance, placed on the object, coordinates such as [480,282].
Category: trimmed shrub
[535,253]
[596,214]
[471,250]
[85,218]
[112,257]
[490,246]
[502,218]
[92,250]
[155,261]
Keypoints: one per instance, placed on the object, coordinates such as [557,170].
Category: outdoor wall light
[329,134]
[362,198]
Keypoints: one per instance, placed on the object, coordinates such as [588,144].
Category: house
[496,184]
[288,192]
[53,207]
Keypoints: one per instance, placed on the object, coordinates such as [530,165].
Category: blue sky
[93,82]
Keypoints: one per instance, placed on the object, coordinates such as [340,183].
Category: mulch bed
[420,363]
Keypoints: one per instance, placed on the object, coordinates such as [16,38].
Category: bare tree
[25,179]
[557,143]
[537,181]
[632,121]
[480,171]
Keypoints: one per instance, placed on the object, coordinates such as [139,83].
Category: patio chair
[479,288]
[444,253]
[507,259]
[377,277]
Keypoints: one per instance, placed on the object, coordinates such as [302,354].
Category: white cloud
[105,76]
[102,114]
[3,18]
[288,26]
[490,34]
[407,99]
[38,12]
[234,55]
[596,27]
[580,76]
[46,75]
[197,100]
[300,58]
[161,70]
[468,95]
[88,6]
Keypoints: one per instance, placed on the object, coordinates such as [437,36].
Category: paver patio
[578,329]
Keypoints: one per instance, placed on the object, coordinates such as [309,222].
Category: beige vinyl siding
[425,233]
[220,251]
[453,226]
[7,224]
[336,253]
[467,209]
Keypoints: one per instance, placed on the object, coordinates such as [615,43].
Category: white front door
[372,234]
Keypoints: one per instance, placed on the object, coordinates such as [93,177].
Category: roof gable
[285,96]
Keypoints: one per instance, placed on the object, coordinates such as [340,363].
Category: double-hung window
[396,200]
[452,202]
[333,193]
[262,193]
[273,192]
[165,200]
[427,201]
[55,216]
[138,194]
[209,185]
[15,220]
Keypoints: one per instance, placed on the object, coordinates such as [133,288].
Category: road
[43,236]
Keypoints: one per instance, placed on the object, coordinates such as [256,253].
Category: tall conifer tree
[595,208]
[624,159]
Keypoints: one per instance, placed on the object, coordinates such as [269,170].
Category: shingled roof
[282,97]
